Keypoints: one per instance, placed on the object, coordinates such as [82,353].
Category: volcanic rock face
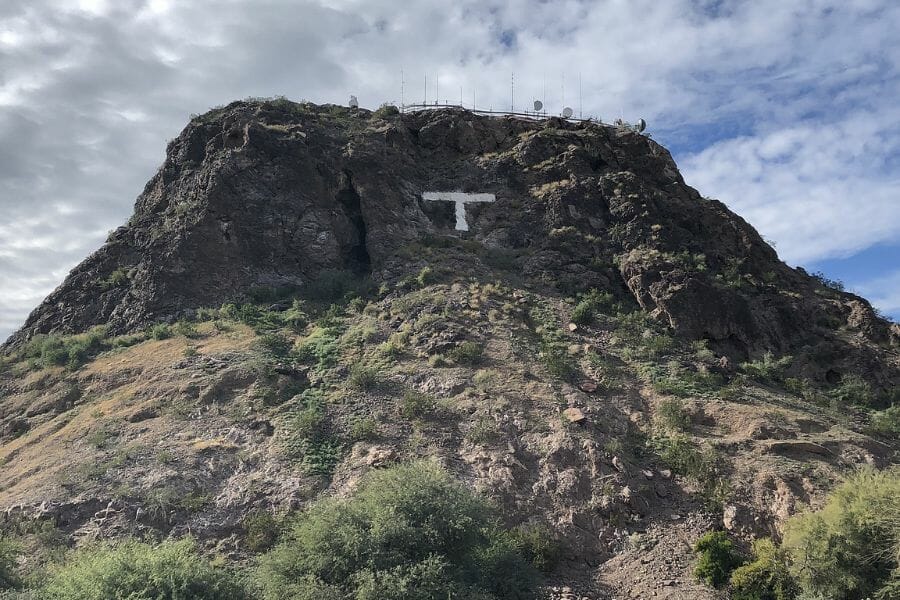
[272,194]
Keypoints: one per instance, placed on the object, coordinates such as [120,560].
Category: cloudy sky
[786,110]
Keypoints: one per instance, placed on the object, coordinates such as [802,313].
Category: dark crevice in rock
[357,259]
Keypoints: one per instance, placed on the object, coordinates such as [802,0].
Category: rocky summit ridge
[538,353]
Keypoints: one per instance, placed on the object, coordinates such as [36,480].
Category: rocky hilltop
[601,349]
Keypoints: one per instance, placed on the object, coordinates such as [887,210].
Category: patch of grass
[483,431]
[466,353]
[363,377]
[591,304]
[416,405]
[363,429]
[673,416]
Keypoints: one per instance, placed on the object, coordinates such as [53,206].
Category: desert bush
[415,405]
[886,422]
[850,549]
[261,530]
[672,415]
[768,369]
[717,558]
[161,331]
[766,577]
[409,532]
[538,545]
[590,304]
[466,353]
[117,278]
[556,358]
[852,390]
[363,428]
[9,576]
[363,377]
[70,351]
[833,284]
[136,571]
[274,344]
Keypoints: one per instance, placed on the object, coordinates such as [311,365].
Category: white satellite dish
[640,126]
[538,105]
[567,112]
[354,103]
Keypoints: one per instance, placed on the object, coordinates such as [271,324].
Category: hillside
[604,353]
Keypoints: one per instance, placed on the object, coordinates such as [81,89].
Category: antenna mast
[401,87]
[580,115]
[512,92]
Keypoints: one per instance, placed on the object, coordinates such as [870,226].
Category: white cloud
[91,89]
[883,292]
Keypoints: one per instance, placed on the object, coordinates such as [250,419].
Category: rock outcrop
[271,194]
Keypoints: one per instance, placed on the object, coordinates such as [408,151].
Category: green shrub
[363,428]
[672,415]
[320,346]
[415,405]
[768,369]
[261,530]
[590,304]
[853,390]
[161,331]
[717,558]
[9,576]
[850,549]
[70,351]
[275,344]
[425,276]
[409,532]
[466,353]
[117,278]
[186,329]
[765,578]
[833,284]
[556,358]
[538,545]
[886,422]
[363,377]
[136,571]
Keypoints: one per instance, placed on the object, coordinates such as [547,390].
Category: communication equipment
[538,105]
[567,112]
[640,126]
[354,103]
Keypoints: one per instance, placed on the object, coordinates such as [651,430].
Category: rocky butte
[295,302]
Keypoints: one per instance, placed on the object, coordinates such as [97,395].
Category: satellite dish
[354,103]
[538,105]
[567,112]
[640,126]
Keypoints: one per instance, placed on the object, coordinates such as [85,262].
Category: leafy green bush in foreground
[411,533]
[136,571]
[850,549]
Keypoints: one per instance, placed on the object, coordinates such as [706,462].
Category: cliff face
[263,195]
